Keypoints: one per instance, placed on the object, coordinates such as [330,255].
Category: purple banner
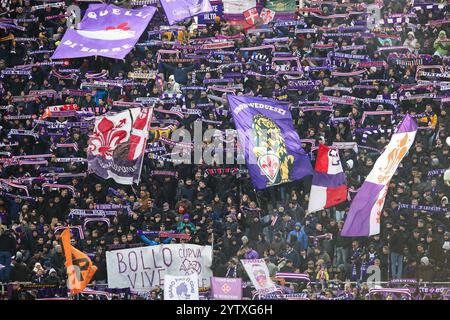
[217,11]
[106,30]
[226,288]
[272,147]
[178,10]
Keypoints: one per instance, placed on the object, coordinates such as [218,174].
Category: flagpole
[142,162]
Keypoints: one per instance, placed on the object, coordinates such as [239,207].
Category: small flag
[329,183]
[251,15]
[267,15]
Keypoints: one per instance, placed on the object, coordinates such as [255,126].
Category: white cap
[350,164]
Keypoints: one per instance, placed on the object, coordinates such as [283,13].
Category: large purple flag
[178,10]
[106,30]
[363,218]
[272,147]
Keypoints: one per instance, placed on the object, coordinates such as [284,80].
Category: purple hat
[185,216]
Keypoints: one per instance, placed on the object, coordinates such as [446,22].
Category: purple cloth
[226,288]
[217,11]
[328,180]
[252,254]
[283,159]
[178,10]
[106,30]
[358,221]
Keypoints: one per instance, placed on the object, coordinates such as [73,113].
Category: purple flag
[178,10]
[272,147]
[363,218]
[106,30]
[217,11]
[226,288]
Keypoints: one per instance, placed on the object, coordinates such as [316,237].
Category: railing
[4,286]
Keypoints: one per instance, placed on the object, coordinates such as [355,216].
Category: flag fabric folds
[258,273]
[283,9]
[329,183]
[234,11]
[178,10]
[272,147]
[117,145]
[363,218]
[106,30]
[80,269]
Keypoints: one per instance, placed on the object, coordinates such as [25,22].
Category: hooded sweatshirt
[441,47]
[302,238]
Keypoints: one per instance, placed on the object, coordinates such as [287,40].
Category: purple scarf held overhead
[422,208]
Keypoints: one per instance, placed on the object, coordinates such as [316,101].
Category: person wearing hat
[37,267]
[277,243]
[39,274]
[186,224]
[426,270]
[20,271]
[249,252]
[410,41]
[441,46]
[172,87]
[300,236]
[52,278]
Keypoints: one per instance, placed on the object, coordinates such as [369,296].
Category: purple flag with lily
[272,147]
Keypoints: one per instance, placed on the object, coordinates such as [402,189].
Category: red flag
[267,15]
[251,15]
[139,133]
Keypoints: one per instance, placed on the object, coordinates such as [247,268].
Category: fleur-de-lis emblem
[226,288]
[106,137]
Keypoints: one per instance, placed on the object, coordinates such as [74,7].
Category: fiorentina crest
[270,150]
[272,147]
[269,165]
[117,145]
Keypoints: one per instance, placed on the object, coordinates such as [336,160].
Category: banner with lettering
[106,30]
[217,11]
[233,11]
[178,10]
[259,275]
[181,287]
[226,288]
[142,268]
